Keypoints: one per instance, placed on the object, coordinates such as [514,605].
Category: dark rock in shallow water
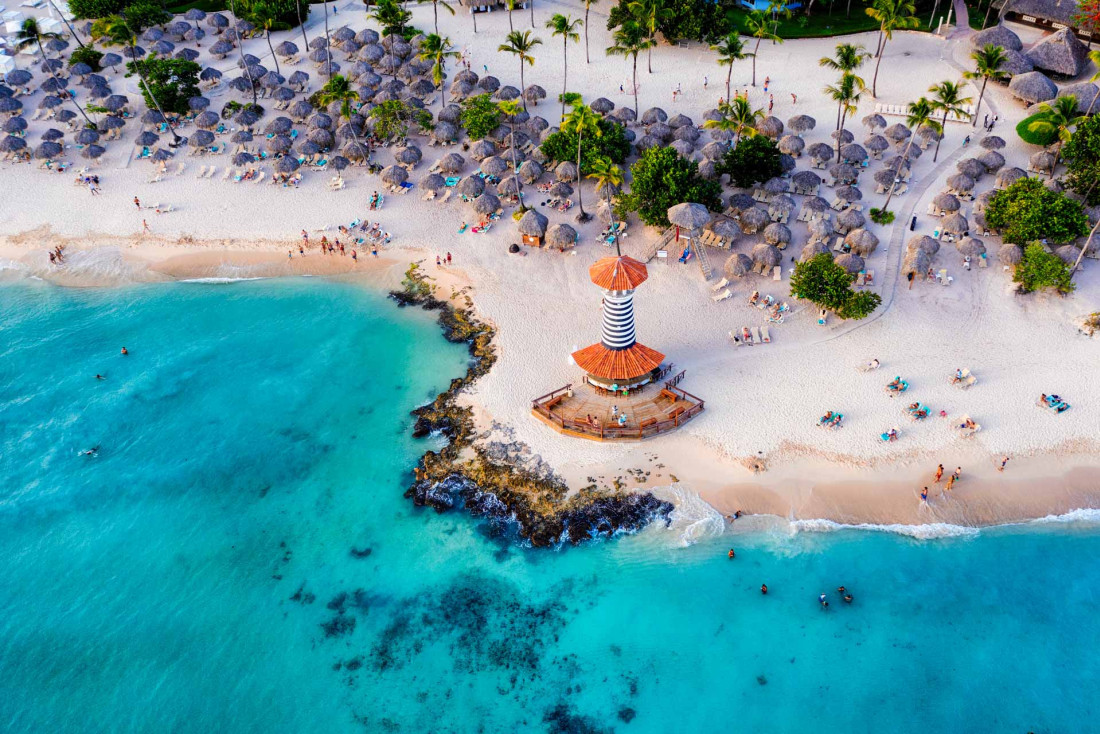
[627,714]
[563,720]
[361,554]
[340,625]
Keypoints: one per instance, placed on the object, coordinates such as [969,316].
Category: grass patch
[207,6]
[821,24]
[1035,138]
[881,216]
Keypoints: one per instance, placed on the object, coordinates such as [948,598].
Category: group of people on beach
[57,255]
[821,599]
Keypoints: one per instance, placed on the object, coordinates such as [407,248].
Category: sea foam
[929,531]
[692,519]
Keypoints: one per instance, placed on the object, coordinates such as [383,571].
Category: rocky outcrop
[516,496]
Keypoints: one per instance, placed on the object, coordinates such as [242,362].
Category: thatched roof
[970,247]
[998,35]
[876,143]
[861,241]
[1042,161]
[790,144]
[992,160]
[849,220]
[874,121]
[714,150]
[844,136]
[753,220]
[394,175]
[486,204]
[689,216]
[897,132]
[923,243]
[1010,254]
[801,124]
[853,153]
[1016,63]
[972,167]
[737,265]
[812,250]
[1060,53]
[851,262]
[683,148]
[821,151]
[820,230]
[508,186]
[772,127]
[777,234]
[843,173]
[945,202]
[566,171]
[561,236]
[1085,93]
[848,194]
[960,182]
[806,180]
[725,228]
[741,203]
[532,223]
[766,255]
[432,182]
[470,187]
[955,224]
[652,115]
[1033,87]
[917,262]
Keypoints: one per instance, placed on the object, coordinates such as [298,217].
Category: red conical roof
[618,273]
[618,364]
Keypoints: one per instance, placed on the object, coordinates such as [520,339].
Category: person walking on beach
[706,80]
[924,495]
[437,261]
[957,474]
[767,81]
[950,483]
[771,102]
[448,258]
[144,226]
[137,202]
[1004,462]
[939,473]
[794,98]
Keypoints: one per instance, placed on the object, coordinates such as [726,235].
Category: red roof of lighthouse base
[618,364]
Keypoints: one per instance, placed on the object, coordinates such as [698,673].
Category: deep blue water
[198,574]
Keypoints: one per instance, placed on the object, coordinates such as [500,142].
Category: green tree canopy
[480,116]
[1027,212]
[1082,157]
[1041,269]
[93,9]
[662,179]
[86,55]
[611,144]
[697,20]
[394,119]
[826,284]
[754,160]
[172,81]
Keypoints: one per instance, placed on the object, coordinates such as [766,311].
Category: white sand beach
[762,402]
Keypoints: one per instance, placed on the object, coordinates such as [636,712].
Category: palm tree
[759,28]
[580,121]
[301,25]
[777,8]
[31,35]
[849,57]
[892,15]
[435,10]
[437,50]
[265,16]
[510,108]
[730,49]
[587,4]
[920,114]
[1094,57]
[521,45]
[338,89]
[1084,249]
[846,94]
[1057,119]
[949,100]
[648,14]
[988,61]
[566,27]
[240,51]
[510,5]
[629,42]
[392,19]
[72,31]
[607,176]
[738,116]
[118,31]
[531,4]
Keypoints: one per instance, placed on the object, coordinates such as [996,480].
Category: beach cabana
[725,230]
[943,203]
[765,257]
[561,236]
[791,145]
[714,150]
[602,105]
[849,220]
[820,232]
[877,144]
[917,263]
[1086,94]
[509,186]
[929,245]
[970,247]
[777,234]
[805,183]
[813,249]
[737,265]
[800,124]
[992,160]
[566,171]
[753,220]
[1060,53]
[741,203]
[394,175]
[470,187]
[897,133]
[1008,176]
[486,204]
[874,122]
[960,183]
[533,93]
[956,224]
[851,262]
[652,115]
[971,167]
[771,127]
[861,242]
[1010,254]
[1033,87]
[998,35]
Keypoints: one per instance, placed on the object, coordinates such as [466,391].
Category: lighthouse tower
[618,359]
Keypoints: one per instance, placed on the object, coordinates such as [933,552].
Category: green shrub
[1041,269]
[611,144]
[173,82]
[754,160]
[662,179]
[1082,156]
[826,284]
[86,55]
[881,216]
[93,9]
[1027,212]
[697,20]
[1033,137]
[480,116]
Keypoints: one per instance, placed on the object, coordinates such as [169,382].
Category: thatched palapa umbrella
[956,224]
[851,262]
[737,265]
[561,236]
[1033,87]
[486,204]
[861,242]
[470,187]
[970,247]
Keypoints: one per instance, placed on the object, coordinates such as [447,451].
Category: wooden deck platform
[588,412]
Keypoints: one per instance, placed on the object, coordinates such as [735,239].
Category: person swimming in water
[763,589]
[847,598]
[124,352]
[93,451]
[100,377]
[731,554]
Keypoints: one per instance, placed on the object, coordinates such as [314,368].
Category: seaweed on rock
[537,507]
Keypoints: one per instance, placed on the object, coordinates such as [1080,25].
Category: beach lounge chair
[227,174]
[983,261]
[718,298]
[765,335]
[756,335]
[259,177]
[777,272]
[210,173]
[746,336]
[942,277]
[720,285]
[202,172]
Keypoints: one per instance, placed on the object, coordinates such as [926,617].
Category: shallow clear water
[198,574]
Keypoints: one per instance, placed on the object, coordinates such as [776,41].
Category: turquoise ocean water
[238,558]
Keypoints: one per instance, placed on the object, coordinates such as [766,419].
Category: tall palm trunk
[649,58]
[587,58]
[272,49]
[580,199]
[515,164]
[328,48]
[1084,248]
[435,15]
[755,51]
[521,83]
[981,94]
[302,26]
[636,113]
[848,12]
[474,16]
[532,5]
[565,71]
[729,78]
[894,183]
[874,82]
[840,137]
[943,131]
[240,52]
[614,227]
[68,25]
[511,7]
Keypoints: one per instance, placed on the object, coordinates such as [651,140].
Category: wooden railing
[545,404]
[675,380]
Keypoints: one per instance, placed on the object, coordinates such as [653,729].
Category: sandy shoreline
[796,482]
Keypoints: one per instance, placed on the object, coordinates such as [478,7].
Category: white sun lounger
[718,298]
[202,172]
[756,335]
[227,174]
[767,337]
[720,285]
[210,173]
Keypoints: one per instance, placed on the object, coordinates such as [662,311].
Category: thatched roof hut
[812,250]
[923,243]
[602,105]
[944,202]
[777,234]
[508,186]
[897,132]
[725,228]
[801,124]
[970,247]
[471,187]
[561,236]
[1016,63]
[566,171]
[689,216]
[1033,87]
[432,182]
[960,183]
[652,115]
[1042,161]
[486,204]
[753,220]
[683,148]
[1086,95]
[805,182]
[791,145]
[997,35]
[972,167]
[821,152]
[1010,254]
[737,265]
[530,172]
[766,256]
[843,173]
[533,224]
[771,127]
[992,160]
[992,142]
[849,220]
[853,153]
[956,224]
[820,230]
[861,241]
[877,144]
[741,203]
[850,262]
[917,263]
[1060,53]
[394,175]
[714,150]
[874,122]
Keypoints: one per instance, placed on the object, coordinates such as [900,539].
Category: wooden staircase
[704,261]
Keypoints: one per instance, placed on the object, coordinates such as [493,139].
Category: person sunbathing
[754,298]
[914,406]
[828,417]
[895,384]
[958,377]
[892,435]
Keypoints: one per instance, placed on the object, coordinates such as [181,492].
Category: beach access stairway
[667,237]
